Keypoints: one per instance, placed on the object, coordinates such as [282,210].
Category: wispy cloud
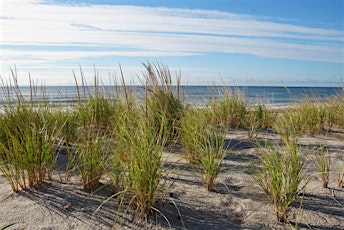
[35,32]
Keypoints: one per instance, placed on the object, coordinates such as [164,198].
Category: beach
[244,129]
[236,203]
[117,161]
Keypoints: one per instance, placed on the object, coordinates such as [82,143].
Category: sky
[223,42]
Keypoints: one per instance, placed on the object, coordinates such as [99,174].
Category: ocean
[269,95]
[197,95]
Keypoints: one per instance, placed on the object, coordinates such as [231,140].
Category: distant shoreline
[272,96]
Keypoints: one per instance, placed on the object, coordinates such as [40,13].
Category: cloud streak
[163,32]
[41,33]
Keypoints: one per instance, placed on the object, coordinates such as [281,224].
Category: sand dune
[237,202]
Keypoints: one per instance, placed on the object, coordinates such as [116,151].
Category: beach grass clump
[211,155]
[323,163]
[335,110]
[228,109]
[138,155]
[27,153]
[68,123]
[289,125]
[203,145]
[281,176]
[96,106]
[91,158]
[309,117]
[313,114]
[28,132]
[191,127]
[163,98]
[96,113]
[259,118]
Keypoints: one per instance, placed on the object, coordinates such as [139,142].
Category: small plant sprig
[323,162]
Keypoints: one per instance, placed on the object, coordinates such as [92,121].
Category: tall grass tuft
[191,127]
[313,116]
[163,99]
[67,121]
[229,109]
[27,134]
[95,112]
[211,154]
[323,162]
[96,108]
[288,124]
[203,146]
[281,176]
[27,152]
[138,157]
[91,158]
[309,116]
[335,110]
[259,118]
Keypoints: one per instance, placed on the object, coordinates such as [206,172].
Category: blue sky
[232,42]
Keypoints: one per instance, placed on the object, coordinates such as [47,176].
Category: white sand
[237,204]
